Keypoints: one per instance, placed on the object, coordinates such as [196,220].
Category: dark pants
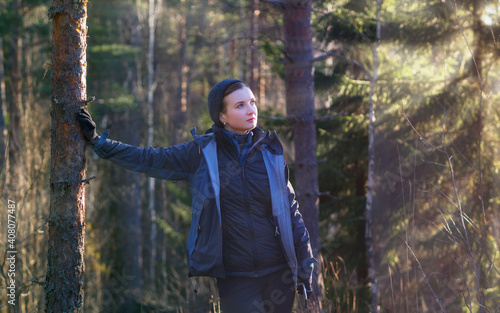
[273,293]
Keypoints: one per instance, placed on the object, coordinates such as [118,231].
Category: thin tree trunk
[3,134]
[65,269]
[254,29]
[131,246]
[14,178]
[371,168]
[178,117]
[163,261]
[262,84]
[151,180]
[482,198]
[300,105]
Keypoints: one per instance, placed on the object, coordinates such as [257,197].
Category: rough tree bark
[65,270]
[300,105]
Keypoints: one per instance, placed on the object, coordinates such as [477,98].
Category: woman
[246,229]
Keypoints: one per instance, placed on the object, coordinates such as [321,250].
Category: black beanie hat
[215,99]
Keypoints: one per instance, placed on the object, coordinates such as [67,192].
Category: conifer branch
[335,54]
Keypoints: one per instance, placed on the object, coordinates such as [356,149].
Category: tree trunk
[178,117]
[300,105]
[14,149]
[2,110]
[483,198]
[151,180]
[15,174]
[371,168]
[254,29]
[65,270]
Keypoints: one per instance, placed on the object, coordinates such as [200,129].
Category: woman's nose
[251,109]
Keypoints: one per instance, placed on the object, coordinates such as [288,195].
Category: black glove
[87,124]
[305,280]
[304,287]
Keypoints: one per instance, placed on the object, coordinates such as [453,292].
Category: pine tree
[300,106]
[65,270]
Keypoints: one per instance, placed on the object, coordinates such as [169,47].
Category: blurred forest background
[436,217]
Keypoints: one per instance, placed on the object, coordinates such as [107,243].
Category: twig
[89,100]
[425,277]
[275,2]
[276,118]
[419,135]
[88,179]
[41,283]
[292,119]
[329,117]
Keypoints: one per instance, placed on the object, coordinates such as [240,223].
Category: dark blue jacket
[197,162]
[250,236]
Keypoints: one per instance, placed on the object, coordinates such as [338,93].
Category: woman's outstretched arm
[173,163]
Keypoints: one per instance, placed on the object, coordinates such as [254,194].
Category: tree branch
[293,119]
[334,53]
[275,2]
[353,27]
[329,117]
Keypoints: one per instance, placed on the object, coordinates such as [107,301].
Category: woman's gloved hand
[87,124]
[305,288]
[305,280]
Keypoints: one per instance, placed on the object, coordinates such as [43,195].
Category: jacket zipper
[247,209]
[246,206]
[277,234]
[250,223]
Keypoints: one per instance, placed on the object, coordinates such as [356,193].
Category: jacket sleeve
[301,239]
[174,163]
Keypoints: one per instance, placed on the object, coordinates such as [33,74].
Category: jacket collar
[202,140]
[270,138]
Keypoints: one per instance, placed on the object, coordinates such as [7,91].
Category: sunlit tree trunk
[371,169]
[300,106]
[65,270]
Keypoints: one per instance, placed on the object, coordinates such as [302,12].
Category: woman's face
[240,111]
